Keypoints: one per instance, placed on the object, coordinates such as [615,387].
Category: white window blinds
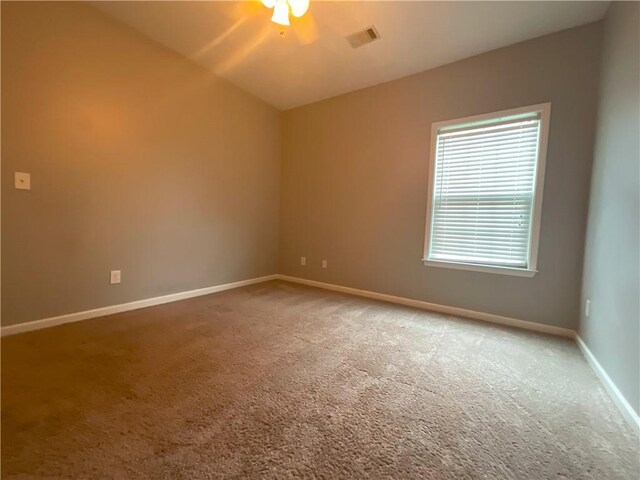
[483,191]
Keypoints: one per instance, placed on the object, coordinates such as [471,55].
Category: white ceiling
[313,61]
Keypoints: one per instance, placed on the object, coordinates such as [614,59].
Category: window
[485,178]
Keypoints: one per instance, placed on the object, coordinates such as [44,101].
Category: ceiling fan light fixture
[269,3]
[281,13]
[299,7]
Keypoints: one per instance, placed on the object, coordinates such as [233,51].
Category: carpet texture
[283,381]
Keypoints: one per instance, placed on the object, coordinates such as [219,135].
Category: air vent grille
[363,37]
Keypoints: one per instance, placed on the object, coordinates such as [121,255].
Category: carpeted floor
[283,381]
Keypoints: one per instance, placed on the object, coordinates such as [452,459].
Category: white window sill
[518,272]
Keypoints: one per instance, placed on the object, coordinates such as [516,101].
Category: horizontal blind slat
[481,145]
[491,168]
[479,260]
[498,249]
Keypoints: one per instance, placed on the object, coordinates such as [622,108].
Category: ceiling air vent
[362,38]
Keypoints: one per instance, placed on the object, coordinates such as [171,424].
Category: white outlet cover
[324,264]
[22,181]
[587,308]
[303,261]
[115,276]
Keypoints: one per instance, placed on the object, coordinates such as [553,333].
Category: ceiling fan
[281,9]
[251,27]
[303,26]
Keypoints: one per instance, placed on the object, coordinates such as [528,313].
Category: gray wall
[354,178]
[612,260]
[139,161]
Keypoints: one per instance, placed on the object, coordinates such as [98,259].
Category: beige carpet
[283,381]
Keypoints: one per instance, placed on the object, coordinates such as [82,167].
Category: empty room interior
[320,239]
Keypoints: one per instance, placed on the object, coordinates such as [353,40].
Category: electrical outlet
[324,264]
[115,276]
[303,261]
[587,308]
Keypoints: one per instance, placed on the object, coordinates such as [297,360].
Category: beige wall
[612,259]
[139,161]
[354,178]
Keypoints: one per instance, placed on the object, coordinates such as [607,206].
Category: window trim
[544,109]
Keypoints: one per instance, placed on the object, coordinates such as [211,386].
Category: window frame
[544,109]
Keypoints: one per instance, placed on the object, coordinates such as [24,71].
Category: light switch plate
[115,276]
[23,181]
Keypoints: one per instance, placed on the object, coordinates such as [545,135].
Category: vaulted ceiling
[312,60]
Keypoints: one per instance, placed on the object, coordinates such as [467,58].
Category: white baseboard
[434,307]
[125,307]
[616,395]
